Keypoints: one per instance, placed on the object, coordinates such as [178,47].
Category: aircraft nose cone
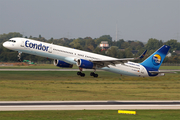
[5,44]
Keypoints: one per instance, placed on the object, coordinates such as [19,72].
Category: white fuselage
[69,55]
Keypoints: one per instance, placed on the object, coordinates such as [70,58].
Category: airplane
[66,57]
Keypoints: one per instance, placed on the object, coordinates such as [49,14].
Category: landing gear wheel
[81,74]
[93,74]
[19,60]
[78,73]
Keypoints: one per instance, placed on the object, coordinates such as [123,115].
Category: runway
[87,105]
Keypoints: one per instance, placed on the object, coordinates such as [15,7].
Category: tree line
[117,49]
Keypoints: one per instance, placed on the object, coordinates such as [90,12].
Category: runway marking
[127,112]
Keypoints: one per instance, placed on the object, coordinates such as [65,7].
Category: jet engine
[85,64]
[63,64]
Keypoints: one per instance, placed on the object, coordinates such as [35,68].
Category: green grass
[90,115]
[54,85]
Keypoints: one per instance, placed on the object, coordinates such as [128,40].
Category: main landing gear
[19,56]
[93,74]
[82,74]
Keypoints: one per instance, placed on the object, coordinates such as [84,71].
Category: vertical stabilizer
[153,62]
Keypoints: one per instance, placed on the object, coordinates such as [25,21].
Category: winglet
[143,54]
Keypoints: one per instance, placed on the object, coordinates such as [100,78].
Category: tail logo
[156,59]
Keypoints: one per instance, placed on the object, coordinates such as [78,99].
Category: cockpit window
[12,41]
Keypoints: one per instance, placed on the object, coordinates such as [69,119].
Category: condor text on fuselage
[36,46]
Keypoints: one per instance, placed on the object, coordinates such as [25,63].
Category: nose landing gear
[19,56]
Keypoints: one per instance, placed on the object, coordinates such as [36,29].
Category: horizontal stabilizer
[154,72]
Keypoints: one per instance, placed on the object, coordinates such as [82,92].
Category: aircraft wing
[105,63]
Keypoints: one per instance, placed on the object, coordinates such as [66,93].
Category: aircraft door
[22,43]
[50,49]
[142,70]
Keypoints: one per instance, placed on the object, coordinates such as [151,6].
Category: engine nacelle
[63,64]
[85,64]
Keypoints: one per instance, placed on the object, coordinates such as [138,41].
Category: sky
[127,19]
